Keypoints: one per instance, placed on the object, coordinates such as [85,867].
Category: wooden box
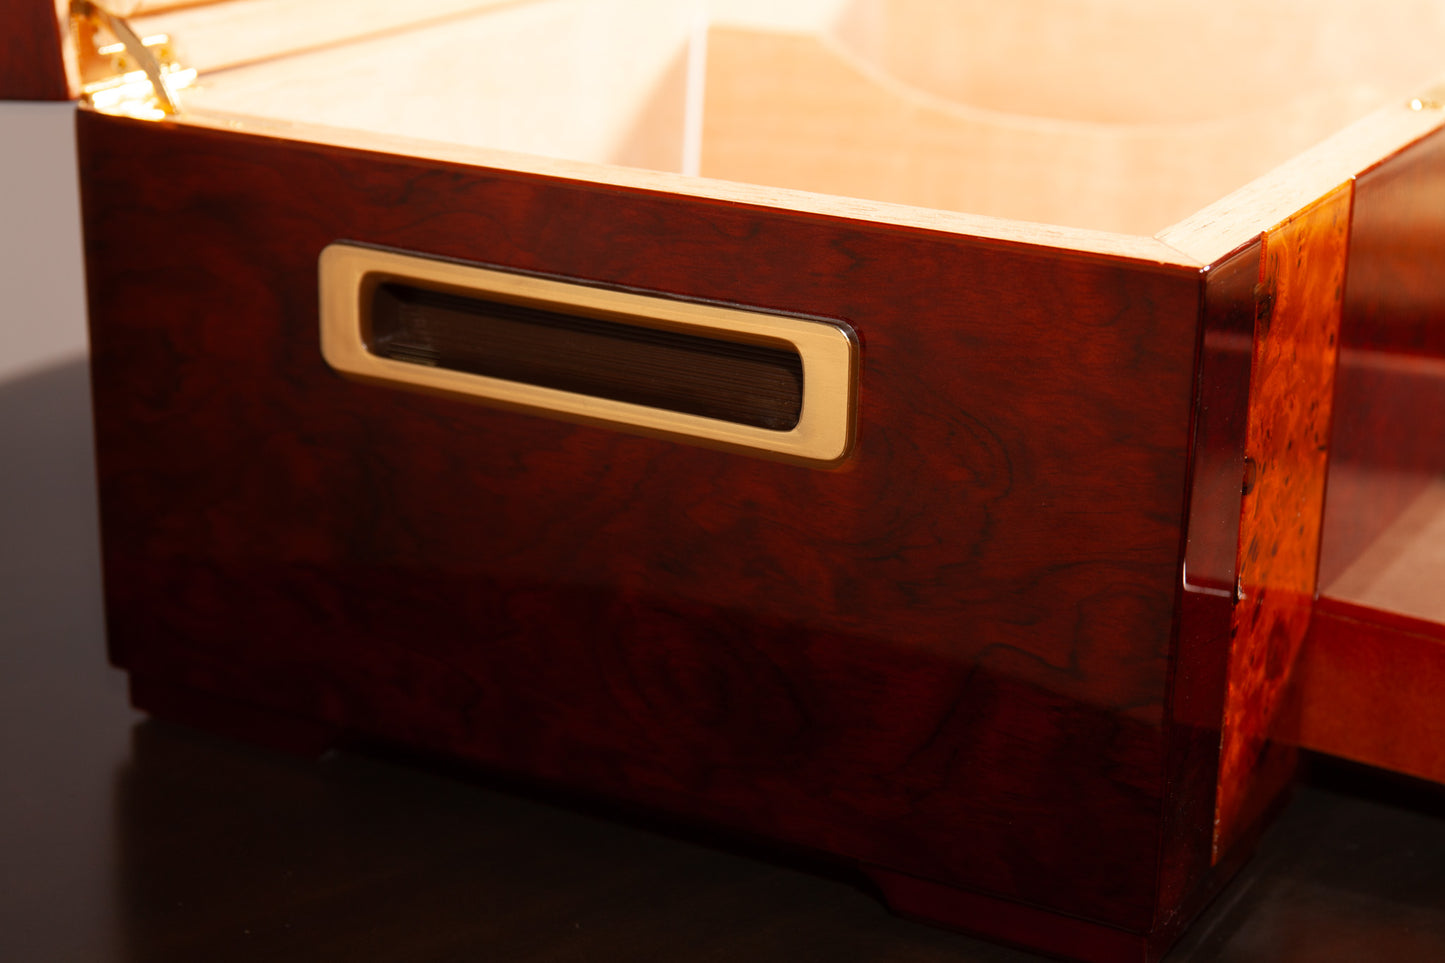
[895,429]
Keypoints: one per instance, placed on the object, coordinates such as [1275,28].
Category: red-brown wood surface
[948,658]
[1396,293]
[1370,686]
[1390,402]
[32,66]
[1296,343]
[1207,603]
[1371,677]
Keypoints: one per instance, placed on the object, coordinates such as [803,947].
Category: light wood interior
[559,79]
[1121,116]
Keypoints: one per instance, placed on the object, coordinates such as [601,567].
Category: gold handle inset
[780,386]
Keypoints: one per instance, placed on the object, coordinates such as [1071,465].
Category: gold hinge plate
[122,72]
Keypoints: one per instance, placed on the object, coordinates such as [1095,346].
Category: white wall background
[49,562]
[64,719]
[42,306]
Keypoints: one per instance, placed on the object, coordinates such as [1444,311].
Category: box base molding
[1028,927]
[1031,928]
[233,719]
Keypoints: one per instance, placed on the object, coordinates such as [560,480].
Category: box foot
[232,719]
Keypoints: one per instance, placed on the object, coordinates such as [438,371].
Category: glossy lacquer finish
[948,658]
[1210,566]
[1374,662]
[1295,346]
[1391,399]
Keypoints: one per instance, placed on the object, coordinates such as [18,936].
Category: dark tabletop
[128,839]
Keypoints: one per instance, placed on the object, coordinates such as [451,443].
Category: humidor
[979,444]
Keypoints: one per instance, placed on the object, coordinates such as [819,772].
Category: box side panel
[1390,400]
[946,657]
[32,62]
[1371,670]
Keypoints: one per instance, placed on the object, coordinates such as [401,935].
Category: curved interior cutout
[1122,116]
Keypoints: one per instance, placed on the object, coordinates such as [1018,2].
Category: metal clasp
[129,75]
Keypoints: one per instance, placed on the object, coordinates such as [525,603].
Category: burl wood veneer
[1295,346]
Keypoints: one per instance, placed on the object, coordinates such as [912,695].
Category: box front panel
[946,656]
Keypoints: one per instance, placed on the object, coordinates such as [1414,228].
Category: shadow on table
[169,844]
[230,852]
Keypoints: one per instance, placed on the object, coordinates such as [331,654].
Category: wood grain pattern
[32,64]
[1298,304]
[948,657]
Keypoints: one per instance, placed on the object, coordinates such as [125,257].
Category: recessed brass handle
[776,385]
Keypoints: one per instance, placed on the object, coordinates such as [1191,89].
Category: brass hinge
[122,72]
